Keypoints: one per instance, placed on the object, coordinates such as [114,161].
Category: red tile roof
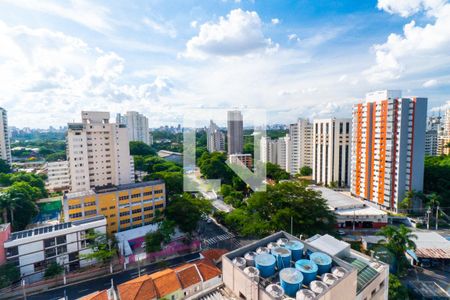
[208,271]
[166,282]
[141,288]
[188,275]
[214,254]
[99,295]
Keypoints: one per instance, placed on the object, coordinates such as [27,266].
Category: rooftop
[428,290]
[112,188]
[47,229]
[431,245]
[164,153]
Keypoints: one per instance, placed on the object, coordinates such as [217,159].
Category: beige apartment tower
[98,152]
[5,147]
[301,145]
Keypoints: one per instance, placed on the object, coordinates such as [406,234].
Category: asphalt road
[85,288]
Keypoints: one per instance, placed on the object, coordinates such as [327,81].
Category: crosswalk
[219,238]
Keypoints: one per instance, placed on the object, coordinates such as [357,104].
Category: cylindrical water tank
[305,294]
[239,262]
[308,269]
[282,241]
[283,257]
[329,278]
[296,248]
[265,263]
[275,291]
[261,250]
[291,280]
[252,273]
[322,260]
[250,258]
[272,245]
[338,271]
[318,287]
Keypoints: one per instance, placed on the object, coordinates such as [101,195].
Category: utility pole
[428,218]
[437,217]
[139,267]
[23,289]
[292,224]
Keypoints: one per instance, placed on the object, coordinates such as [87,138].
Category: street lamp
[428,218]
[110,261]
[23,289]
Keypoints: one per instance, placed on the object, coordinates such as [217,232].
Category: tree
[186,210]
[153,241]
[167,229]
[281,204]
[276,173]
[102,248]
[141,148]
[4,166]
[305,171]
[54,269]
[19,196]
[437,179]
[225,190]
[397,291]
[56,156]
[397,240]
[9,273]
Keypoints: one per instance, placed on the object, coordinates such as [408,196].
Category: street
[82,289]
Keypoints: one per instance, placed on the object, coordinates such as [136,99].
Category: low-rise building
[351,212]
[58,175]
[432,249]
[244,159]
[354,275]
[5,232]
[35,249]
[175,157]
[124,206]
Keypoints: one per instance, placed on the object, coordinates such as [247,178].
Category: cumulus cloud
[54,76]
[418,47]
[239,33]
[275,21]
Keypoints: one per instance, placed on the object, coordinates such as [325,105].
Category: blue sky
[292,58]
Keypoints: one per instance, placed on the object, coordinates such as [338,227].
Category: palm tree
[434,200]
[397,240]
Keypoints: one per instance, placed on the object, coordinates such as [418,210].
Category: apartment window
[90,212]
[347,127]
[61,239]
[147,194]
[135,211]
[112,207]
[123,197]
[148,208]
[158,191]
[75,206]
[104,208]
[73,256]
[87,204]
[148,216]
[39,266]
[124,213]
[126,221]
[113,223]
[112,216]
[135,196]
[159,206]
[341,128]
[137,218]
[50,252]
[12,251]
[76,215]
[49,242]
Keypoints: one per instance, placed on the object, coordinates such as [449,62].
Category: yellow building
[125,206]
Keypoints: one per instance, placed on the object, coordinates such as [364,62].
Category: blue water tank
[283,257]
[323,262]
[291,280]
[265,263]
[308,269]
[296,248]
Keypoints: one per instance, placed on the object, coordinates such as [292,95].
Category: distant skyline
[163,58]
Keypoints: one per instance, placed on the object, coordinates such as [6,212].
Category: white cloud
[163,28]
[293,37]
[430,83]
[275,21]
[194,24]
[419,48]
[85,13]
[239,33]
[406,8]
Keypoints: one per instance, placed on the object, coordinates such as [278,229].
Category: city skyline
[316,59]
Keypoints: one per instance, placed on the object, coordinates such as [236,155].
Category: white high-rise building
[444,135]
[98,152]
[301,145]
[58,175]
[284,153]
[215,139]
[235,133]
[137,125]
[331,151]
[5,146]
[268,150]
[388,150]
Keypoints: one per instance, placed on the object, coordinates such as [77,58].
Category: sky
[164,58]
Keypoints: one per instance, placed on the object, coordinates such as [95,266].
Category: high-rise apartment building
[284,153]
[58,175]
[444,135]
[5,147]
[137,125]
[431,142]
[235,133]
[301,145]
[268,150]
[388,150]
[331,151]
[98,152]
[215,138]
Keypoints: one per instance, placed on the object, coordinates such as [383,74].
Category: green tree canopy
[437,178]
[186,210]
[54,269]
[4,166]
[305,171]
[276,173]
[397,291]
[102,248]
[273,210]
[141,148]
[9,274]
